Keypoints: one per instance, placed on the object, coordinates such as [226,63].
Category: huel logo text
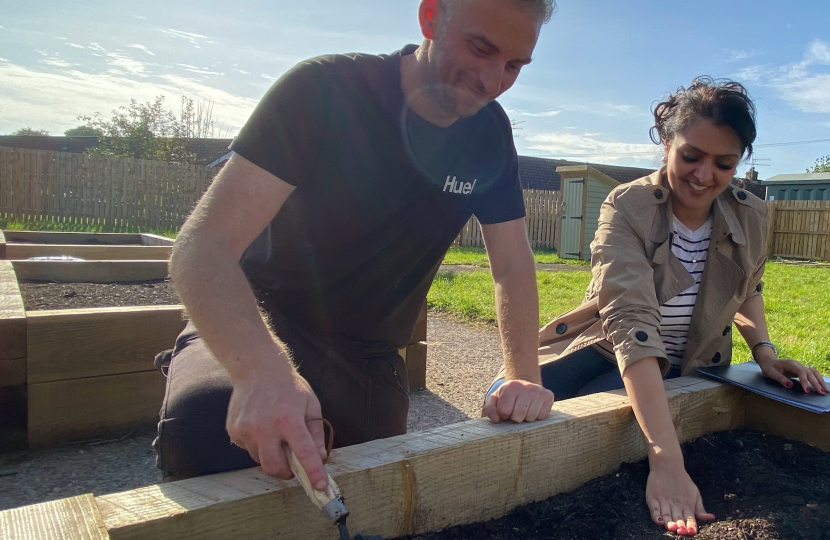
[454,186]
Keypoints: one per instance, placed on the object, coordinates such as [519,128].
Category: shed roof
[540,173]
[803,178]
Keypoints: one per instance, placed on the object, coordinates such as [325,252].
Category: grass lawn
[60,226]
[797,305]
[478,257]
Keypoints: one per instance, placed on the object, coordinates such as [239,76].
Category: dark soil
[760,487]
[91,295]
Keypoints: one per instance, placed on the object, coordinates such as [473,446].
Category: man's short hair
[543,8]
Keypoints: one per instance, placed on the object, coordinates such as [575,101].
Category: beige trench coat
[634,272]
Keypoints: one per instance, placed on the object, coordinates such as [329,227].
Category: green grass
[61,226]
[797,302]
[478,257]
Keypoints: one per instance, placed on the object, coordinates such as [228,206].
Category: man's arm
[520,398]
[270,402]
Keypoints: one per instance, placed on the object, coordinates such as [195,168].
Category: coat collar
[724,220]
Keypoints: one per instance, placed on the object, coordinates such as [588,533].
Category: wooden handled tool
[329,502]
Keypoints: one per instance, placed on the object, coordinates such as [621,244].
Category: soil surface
[760,487]
[41,295]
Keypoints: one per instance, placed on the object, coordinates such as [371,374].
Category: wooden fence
[799,229]
[543,221]
[80,188]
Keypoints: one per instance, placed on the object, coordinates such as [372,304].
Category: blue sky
[598,67]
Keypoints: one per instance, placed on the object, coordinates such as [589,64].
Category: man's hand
[518,401]
[269,409]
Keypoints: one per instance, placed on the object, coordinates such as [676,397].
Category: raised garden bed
[77,347]
[18,245]
[413,484]
[759,486]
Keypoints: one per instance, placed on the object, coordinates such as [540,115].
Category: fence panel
[799,229]
[100,190]
[543,217]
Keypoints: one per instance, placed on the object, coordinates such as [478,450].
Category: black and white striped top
[690,247]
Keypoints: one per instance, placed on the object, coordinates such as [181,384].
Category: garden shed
[798,187]
[584,189]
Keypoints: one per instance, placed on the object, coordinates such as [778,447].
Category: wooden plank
[148,239]
[416,364]
[424,481]
[75,518]
[783,420]
[90,271]
[2,242]
[42,237]
[770,228]
[89,252]
[95,407]
[12,329]
[77,343]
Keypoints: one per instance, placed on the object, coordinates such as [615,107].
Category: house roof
[753,186]
[803,178]
[206,151]
[540,173]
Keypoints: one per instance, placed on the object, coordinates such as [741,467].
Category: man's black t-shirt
[380,196]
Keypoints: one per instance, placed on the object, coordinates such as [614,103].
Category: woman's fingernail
[807,390]
[789,385]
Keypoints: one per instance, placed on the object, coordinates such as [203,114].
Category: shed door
[572,218]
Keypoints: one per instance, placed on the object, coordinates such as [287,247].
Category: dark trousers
[581,373]
[364,399]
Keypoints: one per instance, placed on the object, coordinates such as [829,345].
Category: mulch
[39,296]
[760,487]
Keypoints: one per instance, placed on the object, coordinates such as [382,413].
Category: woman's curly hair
[722,102]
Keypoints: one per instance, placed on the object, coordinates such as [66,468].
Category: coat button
[641,336]
[726,330]
[561,328]
[716,358]
[658,193]
[759,287]
[742,195]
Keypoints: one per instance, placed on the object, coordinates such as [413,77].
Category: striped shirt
[690,247]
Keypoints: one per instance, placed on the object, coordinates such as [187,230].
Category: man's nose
[492,81]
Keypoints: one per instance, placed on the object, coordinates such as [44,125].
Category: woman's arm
[672,497]
[752,324]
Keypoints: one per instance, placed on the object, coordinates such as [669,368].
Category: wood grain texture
[12,329]
[76,343]
[416,364]
[148,239]
[87,252]
[97,407]
[424,481]
[780,419]
[90,271]
[76,518]
[45,237]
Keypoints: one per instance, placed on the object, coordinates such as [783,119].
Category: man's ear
[428,13]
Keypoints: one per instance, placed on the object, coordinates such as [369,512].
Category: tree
[29,132]
[822,165]
[149,131]
[83,131]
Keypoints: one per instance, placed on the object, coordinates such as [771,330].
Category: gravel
[462,360]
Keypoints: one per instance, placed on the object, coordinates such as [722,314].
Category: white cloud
[53,101]
[804,85]
[122,64]
[200,71]
[269,77]
[733,55]
[76,45]
[590,146]
[818,52]
[242,71]
[194,39]
[141,47]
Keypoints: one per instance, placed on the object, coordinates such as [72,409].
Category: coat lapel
[721,277]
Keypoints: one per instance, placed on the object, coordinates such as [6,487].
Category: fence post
[770,228]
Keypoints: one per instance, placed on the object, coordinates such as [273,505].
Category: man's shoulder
[350,64]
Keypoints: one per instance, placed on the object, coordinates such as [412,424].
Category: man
[347,186]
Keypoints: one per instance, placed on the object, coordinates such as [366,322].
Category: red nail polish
[807,390]
[789,385]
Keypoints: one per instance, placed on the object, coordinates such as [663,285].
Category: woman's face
[700,164]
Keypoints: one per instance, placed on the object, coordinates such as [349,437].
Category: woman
[678,256]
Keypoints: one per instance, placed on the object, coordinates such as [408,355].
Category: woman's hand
[783,369]
[673,498]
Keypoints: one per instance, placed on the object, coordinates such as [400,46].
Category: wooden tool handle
[319,498]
